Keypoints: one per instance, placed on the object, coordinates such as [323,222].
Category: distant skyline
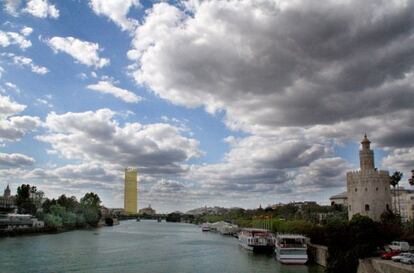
[227,103]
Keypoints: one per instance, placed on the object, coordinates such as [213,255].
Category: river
[146,246]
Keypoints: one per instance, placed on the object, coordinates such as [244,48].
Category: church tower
[7,192]
[368,189]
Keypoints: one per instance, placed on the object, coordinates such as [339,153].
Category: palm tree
[394,180]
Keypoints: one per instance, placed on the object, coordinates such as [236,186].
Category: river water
[146,246]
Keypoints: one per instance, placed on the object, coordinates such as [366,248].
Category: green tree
[53,221]
[90,208]
[70,203]
[23,201]
[91,200]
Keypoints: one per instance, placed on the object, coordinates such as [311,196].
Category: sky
[229,103]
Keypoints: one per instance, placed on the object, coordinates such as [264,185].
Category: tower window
[366,189]
[356,189]
[376,189]
[366,207]
[387,207]
[349,207]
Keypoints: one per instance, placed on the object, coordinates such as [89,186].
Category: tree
[70,203]
[23,201]
[90,207]
[91,200]
[394,180]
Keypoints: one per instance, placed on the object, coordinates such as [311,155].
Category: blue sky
[231,103]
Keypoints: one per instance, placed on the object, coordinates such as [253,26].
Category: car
[407,260]
[388,255]
[402,255]
[399,245]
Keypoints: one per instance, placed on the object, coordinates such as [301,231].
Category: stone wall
[318,254]
[368,188]
[376,265]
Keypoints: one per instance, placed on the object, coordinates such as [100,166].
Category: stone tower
[7,192]
[368,189]
[131,191]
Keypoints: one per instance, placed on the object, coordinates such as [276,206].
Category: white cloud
[14,38]
[116,10]
[12,86]
[41,8]
[15,160]
[9,107]
[274,66]
[12,126]
[106,87]
[27,62]
[84,52]
[26,31]
[12,6]
[97,137]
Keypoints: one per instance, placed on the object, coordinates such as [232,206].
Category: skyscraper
[131,191]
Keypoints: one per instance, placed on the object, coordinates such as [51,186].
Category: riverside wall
[318,254]
[376,265]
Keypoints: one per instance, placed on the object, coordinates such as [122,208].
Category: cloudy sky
[229,103]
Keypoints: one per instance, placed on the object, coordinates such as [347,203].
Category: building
[148,211]
[131,191]
[339,199]
[7,201]
[403,203]
[7,192]
[12,221]
[368,190]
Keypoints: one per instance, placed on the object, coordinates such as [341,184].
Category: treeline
[308,212]
[61,213]
[68,213]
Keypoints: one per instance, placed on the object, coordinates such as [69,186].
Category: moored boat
[205,227]
[256,240]
[291,248]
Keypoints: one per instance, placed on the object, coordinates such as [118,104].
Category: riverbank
[37,231]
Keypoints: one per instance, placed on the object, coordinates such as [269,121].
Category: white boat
[205,227]
[291,248]
[256,240]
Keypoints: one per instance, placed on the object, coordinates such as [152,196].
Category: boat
[291,248]
[256,240]
[205,227]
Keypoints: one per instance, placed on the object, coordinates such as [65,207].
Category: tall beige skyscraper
[131,191]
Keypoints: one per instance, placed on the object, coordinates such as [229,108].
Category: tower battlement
[355,175]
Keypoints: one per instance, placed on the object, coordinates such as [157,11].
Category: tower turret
[7,192]
[366,155]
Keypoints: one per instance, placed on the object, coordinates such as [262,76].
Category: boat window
[293,252]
